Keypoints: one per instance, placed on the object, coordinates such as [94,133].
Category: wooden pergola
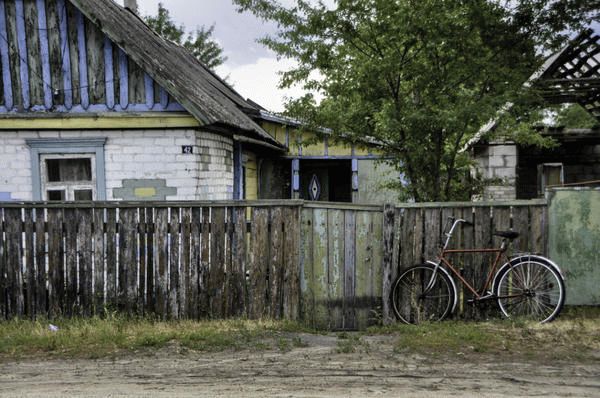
[573,74]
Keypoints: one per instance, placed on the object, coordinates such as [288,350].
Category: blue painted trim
[334,157]
[66,57]
[45,53]
[83,70]
[117,108]
[354,172]
[22,44]
[238,174]
[295,175]
[149,88]
[40,146]
[7,197]
[123,79]
[109,73]
[5,58]
[355,182]
[164,98]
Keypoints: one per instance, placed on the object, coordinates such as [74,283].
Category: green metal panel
[574,241]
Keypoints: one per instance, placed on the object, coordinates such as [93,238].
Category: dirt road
[315,367]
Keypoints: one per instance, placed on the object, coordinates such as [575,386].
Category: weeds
[574,335]
[97,337]
[565,338]
[348,343]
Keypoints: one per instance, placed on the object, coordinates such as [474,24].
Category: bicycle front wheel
[413,303]
[530,290]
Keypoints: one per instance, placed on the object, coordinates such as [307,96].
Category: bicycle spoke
[413,303]
[530,289]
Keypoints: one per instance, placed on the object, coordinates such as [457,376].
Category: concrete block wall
[497,165]
[135,158]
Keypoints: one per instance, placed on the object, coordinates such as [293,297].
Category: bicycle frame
[526,285]
[478,295]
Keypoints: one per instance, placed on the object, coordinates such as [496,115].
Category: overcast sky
[251,68]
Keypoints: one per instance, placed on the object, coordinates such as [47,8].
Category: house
[318,167]
[512,171]
[96,106]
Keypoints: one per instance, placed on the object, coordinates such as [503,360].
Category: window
[68,169]
[68,177]
[549,174]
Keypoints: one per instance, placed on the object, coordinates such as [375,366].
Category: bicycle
[528,285]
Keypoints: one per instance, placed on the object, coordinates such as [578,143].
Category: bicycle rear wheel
[412,304]
[531,290]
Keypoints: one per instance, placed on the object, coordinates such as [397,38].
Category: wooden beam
[22,50]
[45,53]
[149,89]
[98,122]
[109,73]
[83,71]
[5,59]
[65,53]
[123,80]
[164,98]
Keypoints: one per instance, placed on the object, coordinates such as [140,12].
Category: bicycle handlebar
[452,222]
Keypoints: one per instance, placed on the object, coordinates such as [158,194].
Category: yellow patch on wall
[312,145]
[144,192]
[251,176]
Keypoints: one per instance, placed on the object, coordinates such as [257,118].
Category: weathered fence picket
[174,260]
[328,265]
[416,229]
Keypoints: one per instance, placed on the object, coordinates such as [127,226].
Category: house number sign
[187,149]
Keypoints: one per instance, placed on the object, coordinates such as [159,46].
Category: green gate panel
[574,241]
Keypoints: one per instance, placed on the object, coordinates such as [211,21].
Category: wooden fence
[412,234]
[174,260]
[329,265]
[350,254]
[341,265]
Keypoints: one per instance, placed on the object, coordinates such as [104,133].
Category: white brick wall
[15,165]
[134,154]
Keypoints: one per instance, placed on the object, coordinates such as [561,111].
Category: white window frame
[68,186]
[64,146]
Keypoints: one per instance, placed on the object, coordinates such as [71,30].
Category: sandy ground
[314,370]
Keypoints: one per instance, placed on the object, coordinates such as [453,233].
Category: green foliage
[419,76]
[199,43]
[574,116]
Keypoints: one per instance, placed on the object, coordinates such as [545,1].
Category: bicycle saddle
[510,235]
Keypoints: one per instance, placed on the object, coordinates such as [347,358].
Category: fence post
[388,251]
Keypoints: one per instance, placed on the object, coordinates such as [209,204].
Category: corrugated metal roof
[201,92]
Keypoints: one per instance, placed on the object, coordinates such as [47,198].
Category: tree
[199,43]
[420,76]
[574,116]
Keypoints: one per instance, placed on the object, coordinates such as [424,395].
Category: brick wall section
[207,174]
[15,164]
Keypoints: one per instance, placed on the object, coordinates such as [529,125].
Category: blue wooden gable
[53,59]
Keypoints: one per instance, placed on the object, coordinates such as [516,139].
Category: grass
[95,337]
[574,335]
